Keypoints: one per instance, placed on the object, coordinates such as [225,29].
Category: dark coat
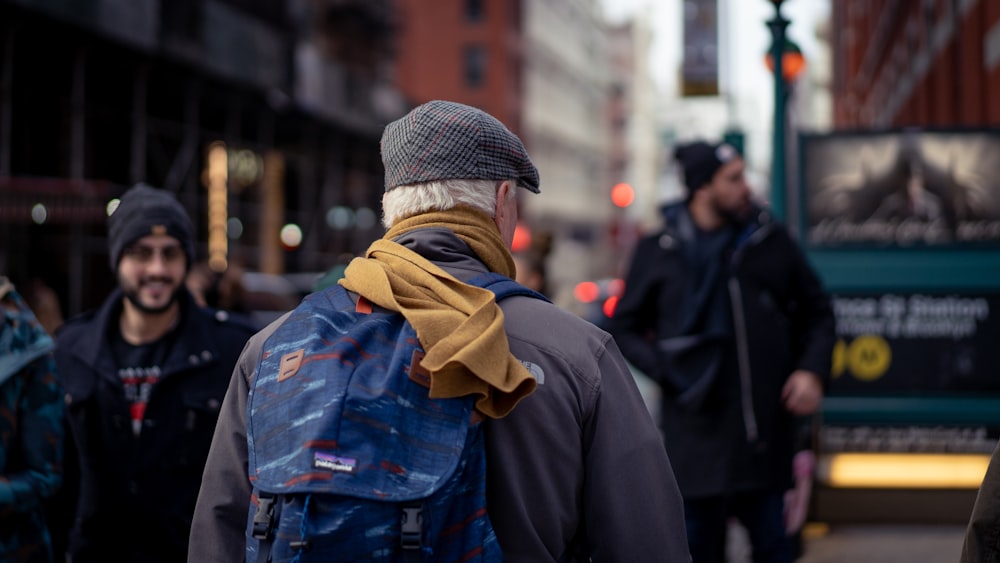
[738,436]
[135,495]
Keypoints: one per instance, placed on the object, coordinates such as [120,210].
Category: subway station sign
[916,343]
[919,346]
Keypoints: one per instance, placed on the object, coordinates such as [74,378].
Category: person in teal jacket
[31,431]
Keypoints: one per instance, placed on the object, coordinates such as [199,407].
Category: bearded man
[144,375]
[724,311]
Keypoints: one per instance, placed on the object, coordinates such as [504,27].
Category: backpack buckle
[411,527]
[263,519]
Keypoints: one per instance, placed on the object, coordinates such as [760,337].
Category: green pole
[778,190]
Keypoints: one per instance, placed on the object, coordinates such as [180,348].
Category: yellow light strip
[218,204]
[890,470]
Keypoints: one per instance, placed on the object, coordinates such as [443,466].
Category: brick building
[929,63]
[464,50]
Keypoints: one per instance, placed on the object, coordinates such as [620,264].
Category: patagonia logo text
[334,463]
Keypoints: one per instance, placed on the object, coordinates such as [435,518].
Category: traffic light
[622,195]
[522,238]
[599,298]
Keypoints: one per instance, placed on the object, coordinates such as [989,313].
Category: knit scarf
[459,325]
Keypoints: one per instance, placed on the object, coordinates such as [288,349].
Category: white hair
[441,195]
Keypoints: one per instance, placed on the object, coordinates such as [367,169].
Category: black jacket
[726,432]
[134,496]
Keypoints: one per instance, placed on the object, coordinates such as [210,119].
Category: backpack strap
[504,287]
[268,511]
[501,286]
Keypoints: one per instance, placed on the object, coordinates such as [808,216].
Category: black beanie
[142,211]
[702,160]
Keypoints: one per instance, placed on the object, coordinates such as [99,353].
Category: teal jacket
[31,431]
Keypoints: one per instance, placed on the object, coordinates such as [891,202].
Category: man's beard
[737,216]
[132,294]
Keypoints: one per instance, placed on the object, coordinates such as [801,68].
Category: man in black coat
[722,309]
[144,377]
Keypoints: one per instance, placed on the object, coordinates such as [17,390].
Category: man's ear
[502,194]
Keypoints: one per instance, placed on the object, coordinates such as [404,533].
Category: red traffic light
[622,195]
[587,292]
[522,238]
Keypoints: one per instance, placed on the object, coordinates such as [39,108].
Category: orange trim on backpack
[363,306]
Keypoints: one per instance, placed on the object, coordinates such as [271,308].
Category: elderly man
[576,470]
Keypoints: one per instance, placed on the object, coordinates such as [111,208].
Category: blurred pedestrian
[576,471]
[334,274]
[31,432]
[145,375]
[982,535]
[531,271]
[44,303]
[218,290]
[722,309]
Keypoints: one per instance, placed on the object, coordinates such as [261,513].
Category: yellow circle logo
[868,357]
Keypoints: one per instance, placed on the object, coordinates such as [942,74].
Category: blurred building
[257,113]
[568,84]
[928,63]
[811,99]
[637,155]
[469,51]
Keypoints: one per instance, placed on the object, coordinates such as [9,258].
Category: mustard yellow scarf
[459,326]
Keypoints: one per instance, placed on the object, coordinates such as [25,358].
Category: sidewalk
[868,544]
[886,544]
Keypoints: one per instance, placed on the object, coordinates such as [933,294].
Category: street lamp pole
[779,193]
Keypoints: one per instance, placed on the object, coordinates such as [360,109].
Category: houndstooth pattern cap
[443,140]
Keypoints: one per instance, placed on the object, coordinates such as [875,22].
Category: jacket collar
[193,337]
[442,247]
[679,225]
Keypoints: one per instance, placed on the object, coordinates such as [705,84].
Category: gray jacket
[577,471]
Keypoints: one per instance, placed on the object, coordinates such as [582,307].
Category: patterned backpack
[348,456]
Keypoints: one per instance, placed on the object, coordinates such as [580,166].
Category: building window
[474,10]
[475,66]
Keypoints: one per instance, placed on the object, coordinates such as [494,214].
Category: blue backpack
[348,456]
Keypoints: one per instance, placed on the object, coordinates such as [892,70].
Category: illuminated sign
[901,189]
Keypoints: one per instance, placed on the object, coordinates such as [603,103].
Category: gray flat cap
[443,140]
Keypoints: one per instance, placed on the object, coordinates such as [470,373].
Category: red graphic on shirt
[138,383]
[137,410]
